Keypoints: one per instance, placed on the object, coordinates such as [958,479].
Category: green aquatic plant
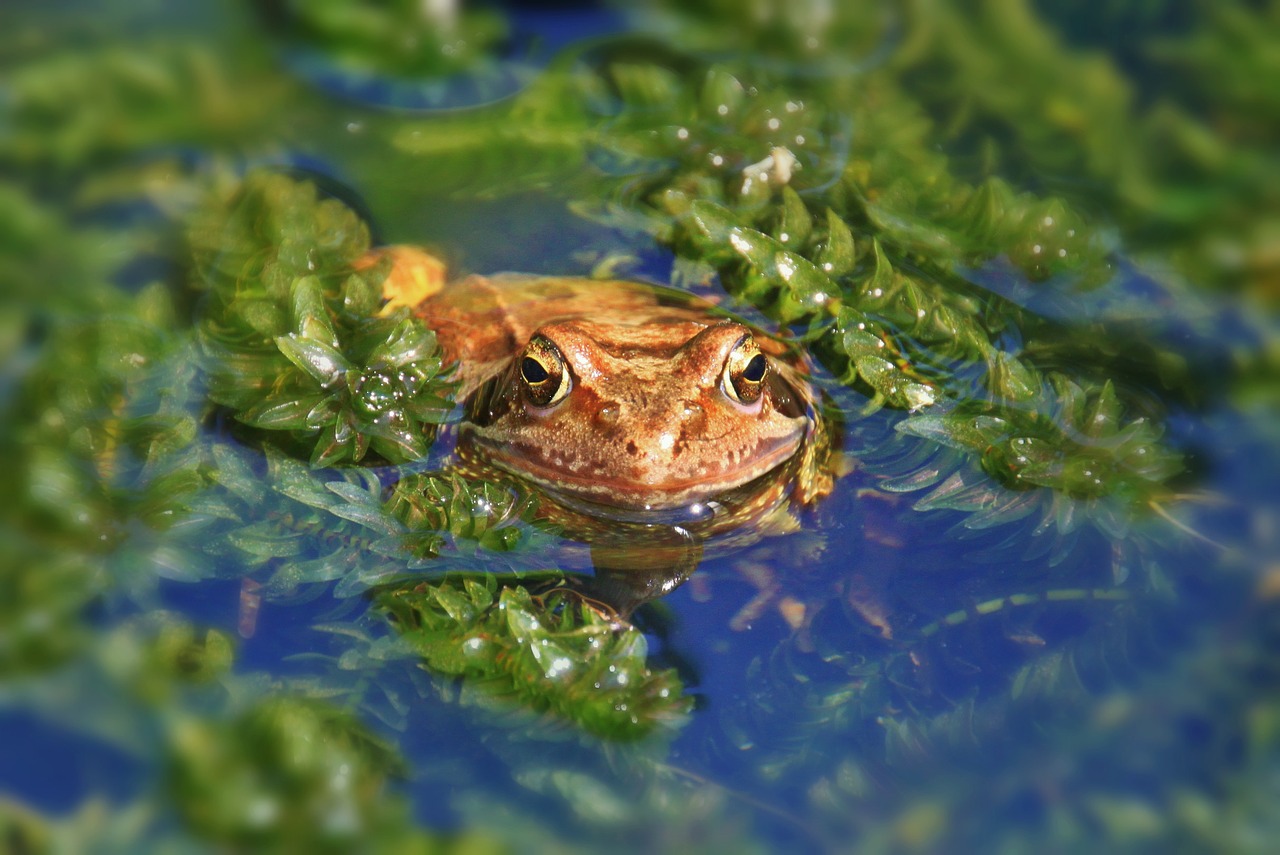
[290,526]
[1085,449]
[400,38]
[241,761]
[293,337]
[875,278]
[107,829]
[288,770]
[38,247]
[1171,136]
[447,510]
[105,456]
[125,99]
[553,653]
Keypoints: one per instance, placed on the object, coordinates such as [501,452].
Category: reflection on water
[245,577]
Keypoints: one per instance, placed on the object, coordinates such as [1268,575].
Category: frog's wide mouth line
[628,494]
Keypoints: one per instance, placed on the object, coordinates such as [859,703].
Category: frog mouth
[617,496]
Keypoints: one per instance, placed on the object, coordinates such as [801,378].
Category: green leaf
[1012,378]
[361,298]
[722,93]
[811,290]
[712,225]
[288,414]
[310,317]
[794,222]
[321,361]
[836,257]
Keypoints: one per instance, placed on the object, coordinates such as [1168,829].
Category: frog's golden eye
[543,372]
[744,372]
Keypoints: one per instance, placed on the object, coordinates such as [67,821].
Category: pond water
[251,601]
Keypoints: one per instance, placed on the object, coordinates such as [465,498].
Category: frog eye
[543,372]
[744,372]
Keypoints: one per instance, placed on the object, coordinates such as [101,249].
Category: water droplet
[376,393]
[786,268]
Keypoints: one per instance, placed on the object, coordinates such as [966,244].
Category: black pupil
[532,370]
[754,372]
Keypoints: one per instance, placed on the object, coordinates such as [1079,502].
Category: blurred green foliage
[1178,152]
[400,37]
[288,772]
[74,108]
[240,766]
[946,201]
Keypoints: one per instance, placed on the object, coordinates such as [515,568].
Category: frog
[639,410]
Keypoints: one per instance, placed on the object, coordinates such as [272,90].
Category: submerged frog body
[622,397]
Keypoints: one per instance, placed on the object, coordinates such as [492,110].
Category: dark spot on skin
[631,448]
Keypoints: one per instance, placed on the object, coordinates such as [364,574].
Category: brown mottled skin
[646,422]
